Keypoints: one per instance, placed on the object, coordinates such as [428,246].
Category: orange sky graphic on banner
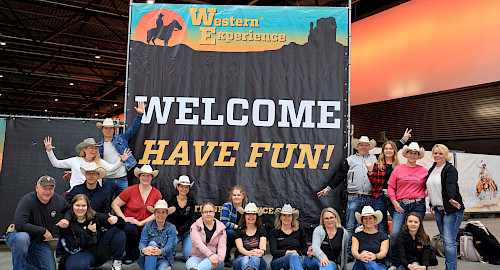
[148,21]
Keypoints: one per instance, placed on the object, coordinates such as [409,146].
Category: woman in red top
[136,200]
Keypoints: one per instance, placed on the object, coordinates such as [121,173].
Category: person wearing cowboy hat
[183,216]
[287,241]
[113,144]
[250,240]
[357,168]
[158,239]
[369,246]
[37,216]
[96,194]
[135,212]
[87,152]
[406,186]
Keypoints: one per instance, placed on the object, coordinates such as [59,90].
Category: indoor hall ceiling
[68,58]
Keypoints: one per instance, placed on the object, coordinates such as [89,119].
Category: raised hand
[141,106]
[407,134]
[369,166]
[323,192]
[126,154]
[48,143]
[92,227]
[67,175]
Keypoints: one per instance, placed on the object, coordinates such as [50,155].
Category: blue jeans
[112,244]
[153,262]
[373,265]
[354,204]
[448,225]
[202,264]
[381,204]
[115,186]
[314,264]
[30,255]
[231,236]
[185,238]
[291,261]
[83,260]
[398,220]
[243,262]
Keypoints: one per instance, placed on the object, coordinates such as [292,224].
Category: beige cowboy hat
[85,143]
[364,139]
[162,204]
[183,180]
[92,167]
[287,210]
[250,208]
[145,169]
[368,211]
[108,122]
[413,147]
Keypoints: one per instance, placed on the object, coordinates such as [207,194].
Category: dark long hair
[242,224]
[90,212]
[421,237]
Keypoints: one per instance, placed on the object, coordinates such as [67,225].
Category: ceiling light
[46,110]
[97,57]
[150,2]
[96,114]
[71,84]
[3,43]
[1,76]
[56,99]
[116,105]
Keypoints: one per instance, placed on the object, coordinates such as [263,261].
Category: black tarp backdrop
[315,71]
[25,159]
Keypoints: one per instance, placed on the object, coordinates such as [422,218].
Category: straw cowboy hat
[250,208]
[368,211]
[363,139]
[414,147]
[145,169]
[92,167]
[287,210]
[183,180]
[85,143]
[161,204]
[108,122]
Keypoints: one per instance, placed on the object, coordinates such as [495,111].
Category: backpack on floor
[485,243]
[467,250]
[437,245]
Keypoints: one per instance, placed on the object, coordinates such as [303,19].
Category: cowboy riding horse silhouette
[161,31]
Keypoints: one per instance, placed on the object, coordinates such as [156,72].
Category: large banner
[247,95]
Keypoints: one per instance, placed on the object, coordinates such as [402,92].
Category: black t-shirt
[209,233]
[280,242]
[249,241]
[388,171]
[370,242]
[332,247]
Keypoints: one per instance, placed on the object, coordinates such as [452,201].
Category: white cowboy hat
[413,147]
[368,211]
[250,208]
[287,210]
[85,143]
[92,167]
[145,169]
[364,139]
[162,204]
[108,122]
[183,180]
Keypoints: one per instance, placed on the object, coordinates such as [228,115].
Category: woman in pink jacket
[209,241]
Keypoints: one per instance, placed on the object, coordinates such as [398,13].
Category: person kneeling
[158,239]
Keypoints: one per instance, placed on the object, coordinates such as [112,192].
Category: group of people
[101,218]
[387,186]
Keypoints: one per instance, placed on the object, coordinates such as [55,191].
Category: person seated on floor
[37,215]
[158,239]
[251,240]
[87,240]
[414,245]
[230,217]
[209,241]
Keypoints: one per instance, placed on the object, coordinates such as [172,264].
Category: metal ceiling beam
[59,78]
[89,11]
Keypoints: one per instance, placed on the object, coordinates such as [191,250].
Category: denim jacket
[165,239]
[121,142]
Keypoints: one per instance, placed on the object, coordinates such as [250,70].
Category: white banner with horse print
[478,177]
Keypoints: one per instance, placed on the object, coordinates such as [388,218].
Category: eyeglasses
[208,212]
[329,218]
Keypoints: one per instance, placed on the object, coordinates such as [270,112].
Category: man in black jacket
[36,217]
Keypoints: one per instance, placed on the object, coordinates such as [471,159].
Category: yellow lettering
[305,149]
[265,37]
[197,18]
[148,150]
[252,162]
[206,36]
[237,36]
[256,36]
[239,22]
[225,22]
[224,152]
[276,152]
[181,152]
[274,37]
[202,158]
[217,22]
[282,37]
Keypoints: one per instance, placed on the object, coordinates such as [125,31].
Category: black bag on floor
[485,243]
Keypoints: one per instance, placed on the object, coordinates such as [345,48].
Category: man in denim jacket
[112,145]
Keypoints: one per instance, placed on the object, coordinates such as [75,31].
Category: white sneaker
[117,265]
[392,268]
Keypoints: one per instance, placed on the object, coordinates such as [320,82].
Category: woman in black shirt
[287,241]
[414,244]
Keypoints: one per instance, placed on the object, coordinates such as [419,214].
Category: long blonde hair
[97,158]
[277,223]
[240,188]
[381,158]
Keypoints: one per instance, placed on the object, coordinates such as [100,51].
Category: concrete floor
[493,224]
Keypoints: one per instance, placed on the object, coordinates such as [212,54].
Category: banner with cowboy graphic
[247,95]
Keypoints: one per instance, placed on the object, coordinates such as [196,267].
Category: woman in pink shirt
[407,186]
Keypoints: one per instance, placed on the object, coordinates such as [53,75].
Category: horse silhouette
[161,31]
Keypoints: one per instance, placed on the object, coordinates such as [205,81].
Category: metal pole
[128,62]
[47,117]
[349,129]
